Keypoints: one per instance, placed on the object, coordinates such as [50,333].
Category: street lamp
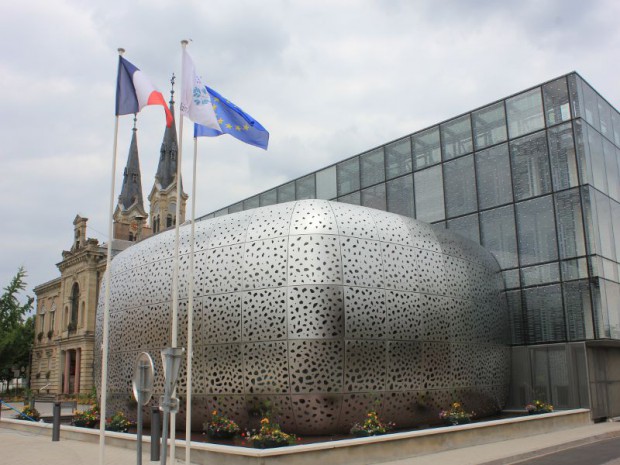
[171,360]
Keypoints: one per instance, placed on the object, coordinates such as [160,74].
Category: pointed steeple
[131,192]
[167,168]
[163,196]
[130,217]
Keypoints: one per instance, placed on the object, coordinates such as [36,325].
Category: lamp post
[171,360]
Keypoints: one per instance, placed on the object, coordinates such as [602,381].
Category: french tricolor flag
[135,91]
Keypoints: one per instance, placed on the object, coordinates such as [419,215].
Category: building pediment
[91,254]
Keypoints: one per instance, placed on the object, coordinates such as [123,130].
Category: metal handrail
[13,408]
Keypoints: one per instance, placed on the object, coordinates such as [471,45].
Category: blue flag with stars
[234,121]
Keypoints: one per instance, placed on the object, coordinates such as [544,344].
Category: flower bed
[118,422]
[456,415]
[30,414]
[221,427]
[372,426]
[538,406]
[86,418]
[270,435]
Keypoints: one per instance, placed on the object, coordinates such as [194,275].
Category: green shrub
[86,418]
[371,426]
[32,414]
[119,422]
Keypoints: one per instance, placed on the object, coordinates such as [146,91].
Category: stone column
[78,369]
[65,387]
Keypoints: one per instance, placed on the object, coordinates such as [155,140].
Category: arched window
[75,302]
[168,221]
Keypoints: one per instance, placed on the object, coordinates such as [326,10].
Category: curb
[515,459]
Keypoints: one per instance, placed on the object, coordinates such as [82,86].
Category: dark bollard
[56,422]
[155,433]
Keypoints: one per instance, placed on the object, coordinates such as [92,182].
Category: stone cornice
[60,340]
[47,286]
[89,255]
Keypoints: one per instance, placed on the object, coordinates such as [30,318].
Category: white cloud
[329,79]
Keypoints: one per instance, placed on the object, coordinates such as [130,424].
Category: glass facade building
[535,179]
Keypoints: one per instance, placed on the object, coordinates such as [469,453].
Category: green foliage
[371,426]
[16,332]
[119,422]
[32,413]
[11,312]
[270,435]
[86,418]
[92,397]
[221,426]
[539,406]
[456,414]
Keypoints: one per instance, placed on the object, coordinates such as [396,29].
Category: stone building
[62,358]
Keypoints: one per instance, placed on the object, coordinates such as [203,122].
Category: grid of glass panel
[426,148]
[456,137]
[398,158]
[493,173]
[534,178]
[460,186]
[489,125]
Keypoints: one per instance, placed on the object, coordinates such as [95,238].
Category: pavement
[598,453]
[28,448]
[518,450]
[36,447]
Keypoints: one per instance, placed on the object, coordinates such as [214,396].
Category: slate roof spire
[167,168]
[131,192]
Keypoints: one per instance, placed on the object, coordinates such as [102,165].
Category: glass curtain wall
[534,178]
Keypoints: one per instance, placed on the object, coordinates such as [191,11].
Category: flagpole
[106,305]
[190,314]
[175,276]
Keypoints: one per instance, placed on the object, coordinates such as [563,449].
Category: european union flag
[234,121]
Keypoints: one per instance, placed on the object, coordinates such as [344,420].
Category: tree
[16,331]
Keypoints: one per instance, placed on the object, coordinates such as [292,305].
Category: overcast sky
[327,78]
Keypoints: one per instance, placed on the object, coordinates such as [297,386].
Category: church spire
[163,196]
[130,216]
[131,192]
[167,168]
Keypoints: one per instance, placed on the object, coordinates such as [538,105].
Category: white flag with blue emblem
[196,102]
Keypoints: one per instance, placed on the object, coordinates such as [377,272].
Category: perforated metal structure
[318,311]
